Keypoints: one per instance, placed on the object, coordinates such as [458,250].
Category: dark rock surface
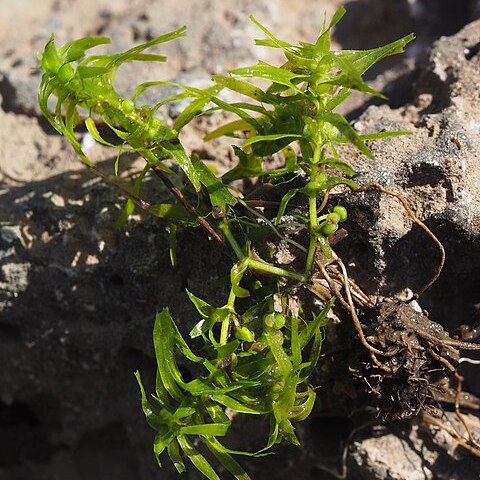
[77,297]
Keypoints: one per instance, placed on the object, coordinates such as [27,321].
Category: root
[349,306]
[471,437]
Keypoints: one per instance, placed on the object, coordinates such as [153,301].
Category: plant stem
[312,246]
[270,269]
[191,210]
[224,331]
[225,228]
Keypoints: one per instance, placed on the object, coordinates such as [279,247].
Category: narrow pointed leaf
[226,459]
[318,322]
[284,202]
[196,458]
[270,138]
[214,429]
[236,275]
[152,418]
[218,192]
[347,130]
[228,129]
[164,342]
[174,454]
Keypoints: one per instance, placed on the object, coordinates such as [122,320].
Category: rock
[401,454]
[436,170]
[77,303]
[77,297]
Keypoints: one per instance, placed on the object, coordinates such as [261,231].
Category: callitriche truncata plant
[258,353]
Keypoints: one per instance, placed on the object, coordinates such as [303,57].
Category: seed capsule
[269,320]
[128,105]
[333,217]
[217,212]
[341,212]
[279,321]
[243,333]
[327,228]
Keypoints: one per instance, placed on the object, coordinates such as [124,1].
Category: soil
[77,296]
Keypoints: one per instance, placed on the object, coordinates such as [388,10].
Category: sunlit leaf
[219,193]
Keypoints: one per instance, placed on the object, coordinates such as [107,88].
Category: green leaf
[162,394]
[219,193]
[274,40]
[235,405]
[351,78]
[90,72]
[268,72]
[341,123]
[172,212]
[172,244]
[249,165]
[284,202]
[295,347]
[164,343]
[218,315]
[196,458]
[130,205]
[224,457]
[376,136]
[160,443]
[214,429]
[242,87]
[236,275]
[274,341]
[227,129]
[323,41]
[51,60]
[203,308]
[318,322]
[270,138]
[134,53]
[195,107]
[334,181]
[302,411]
[183,347]
[177,152]
[174,454]
[92,129]
[152,418]
[342,166]
[282,408]
[364,59]
[76,49]
[199,387]
[156,83]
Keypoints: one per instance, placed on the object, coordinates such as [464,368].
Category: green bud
[279,321]
[333,217]
[341,212]
[269,320]
[326,228]
[154,127]
[243,333]
[128,106]
[312,65]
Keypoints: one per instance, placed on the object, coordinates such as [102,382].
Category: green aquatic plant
[261,346]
